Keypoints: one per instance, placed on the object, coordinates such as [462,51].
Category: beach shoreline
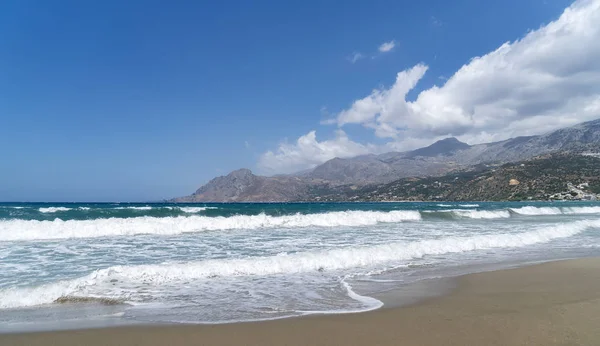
[540,304]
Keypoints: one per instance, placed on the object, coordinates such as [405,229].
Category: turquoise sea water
[68,264]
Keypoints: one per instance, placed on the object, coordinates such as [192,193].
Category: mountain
[243,186]
[445,147]
[358,170]
[562,175]
[450,154]
[440,158]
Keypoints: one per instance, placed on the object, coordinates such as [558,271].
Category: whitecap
[127,283]
[53,209]
[13,230]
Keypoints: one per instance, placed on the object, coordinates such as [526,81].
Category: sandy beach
[555,303]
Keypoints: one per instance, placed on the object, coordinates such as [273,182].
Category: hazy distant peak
[242,172]
[439,158]
[445,146]
[450,141]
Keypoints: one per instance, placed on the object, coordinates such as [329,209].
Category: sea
[79,265]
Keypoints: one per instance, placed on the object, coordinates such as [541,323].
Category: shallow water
[214,263]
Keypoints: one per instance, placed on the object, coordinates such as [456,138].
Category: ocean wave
[453,214]
[481,214]
[135,208]
[53,209]
[460,205]
[131,283]
[531,211]
[581,210]
[15,230]
[195,209]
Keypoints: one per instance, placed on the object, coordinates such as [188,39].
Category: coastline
[540,304]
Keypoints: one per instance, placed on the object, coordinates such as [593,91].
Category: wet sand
[554,303]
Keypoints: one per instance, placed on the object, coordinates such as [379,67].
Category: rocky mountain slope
[449,154]
[552,176]
[440,158]
[243,186]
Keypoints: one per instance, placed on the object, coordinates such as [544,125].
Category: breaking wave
[537,210]
[23,230]
[482,214]
[131,283]
[135,208]
[53,209]
[529,210]
[15,230]
[195,209]
[581,210]
[466,214]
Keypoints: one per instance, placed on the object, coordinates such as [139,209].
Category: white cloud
[435,21]
[387,46]
[548,79]
[308,152]
[382,102]
[354,57]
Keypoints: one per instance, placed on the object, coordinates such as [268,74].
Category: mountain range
[440,158]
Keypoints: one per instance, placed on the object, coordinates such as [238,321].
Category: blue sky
[143,100]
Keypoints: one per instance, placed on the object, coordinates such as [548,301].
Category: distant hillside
[243,186]
[542,178]
[440,158]
[445,147]
[449,154]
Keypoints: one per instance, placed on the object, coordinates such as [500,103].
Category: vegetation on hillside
[541,178]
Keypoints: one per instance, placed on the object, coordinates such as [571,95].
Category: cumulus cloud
[548,79]
[308,152]
[387,46]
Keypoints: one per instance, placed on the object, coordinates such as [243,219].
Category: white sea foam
[581,210]
[529,210]
[444,205]
[195,209]
[131,283]
[14,230]
[135,208]
[53,209]
[469,205]
[84,208]
[482,214]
